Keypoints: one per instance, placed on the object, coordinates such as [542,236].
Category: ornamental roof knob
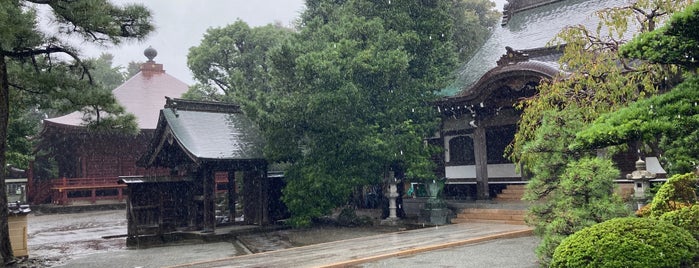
[150,53]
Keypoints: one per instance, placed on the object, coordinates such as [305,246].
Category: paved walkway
[369,249]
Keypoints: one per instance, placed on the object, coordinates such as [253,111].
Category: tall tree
[351,97]
[232,62]
[46,69]
[473,23]
[600,80]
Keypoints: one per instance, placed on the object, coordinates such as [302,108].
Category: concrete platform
[344,253]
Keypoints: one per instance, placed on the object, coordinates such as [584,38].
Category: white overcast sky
[180,24]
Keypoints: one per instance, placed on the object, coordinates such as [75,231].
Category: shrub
[627,242]
[679,191]
[686,218]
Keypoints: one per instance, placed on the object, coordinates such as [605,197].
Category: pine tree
[49,71]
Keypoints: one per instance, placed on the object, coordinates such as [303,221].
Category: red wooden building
[89,164]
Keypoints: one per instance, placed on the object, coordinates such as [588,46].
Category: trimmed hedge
[627,242]
[676,193]
[686,218]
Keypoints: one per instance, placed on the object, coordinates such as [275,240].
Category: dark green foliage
[473,21]
[583,198]
[347,95]
[232,62]
[686,218]
[351,98]
[569,194]
[627,242]
[677,42]
[669,121]
[39,70]
[679,191]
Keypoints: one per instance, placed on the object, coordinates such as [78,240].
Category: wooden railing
[66,190]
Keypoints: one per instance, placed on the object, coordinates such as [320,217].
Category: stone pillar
[641,182]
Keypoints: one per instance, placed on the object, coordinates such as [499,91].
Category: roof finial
[150,53]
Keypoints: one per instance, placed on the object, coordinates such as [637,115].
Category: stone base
[434,216]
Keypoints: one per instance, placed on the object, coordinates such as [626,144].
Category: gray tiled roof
[199,132]
[214,135]
[528,29]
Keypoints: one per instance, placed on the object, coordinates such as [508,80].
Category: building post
[232,196]
[208,181]
[480,151]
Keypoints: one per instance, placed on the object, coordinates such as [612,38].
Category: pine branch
[51,49]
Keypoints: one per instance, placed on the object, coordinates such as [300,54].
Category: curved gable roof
[203,131]
[530,29]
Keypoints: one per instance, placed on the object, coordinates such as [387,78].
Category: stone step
[512,193]
[510,216]
[517,196]
[513,222]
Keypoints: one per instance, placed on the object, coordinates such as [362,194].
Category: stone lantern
[392,182]
[641,180]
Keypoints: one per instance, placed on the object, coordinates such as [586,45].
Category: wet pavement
[501,253]
[360,250]
[76,240]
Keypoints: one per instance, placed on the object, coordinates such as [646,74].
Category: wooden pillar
[232,196]
[481,152]
[208,182]
[250,197]
[264,195]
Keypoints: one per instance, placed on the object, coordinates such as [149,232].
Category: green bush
[627,242]
[679,191]
[686,218]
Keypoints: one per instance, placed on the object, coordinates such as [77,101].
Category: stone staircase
[507,208]
[513,192]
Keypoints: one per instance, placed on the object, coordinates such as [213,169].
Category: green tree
[667,122]
[105,73]
[599,80]
[473,23]
[351,97]
[577,186]
[34,63]
[232,62]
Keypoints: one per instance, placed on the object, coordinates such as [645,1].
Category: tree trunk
[6,255]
